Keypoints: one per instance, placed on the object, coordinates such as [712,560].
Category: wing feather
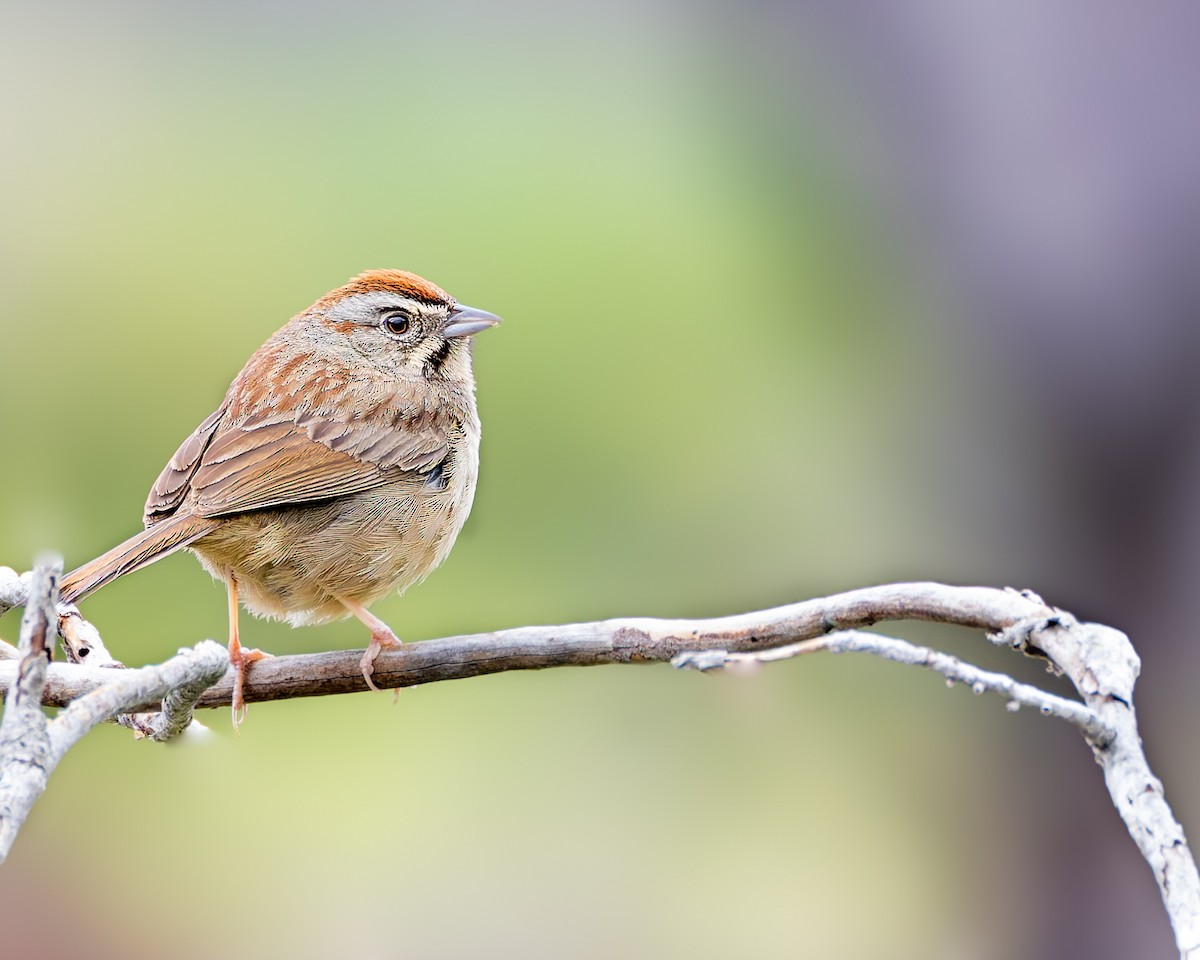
[225,468]
[171,487]
[276,465]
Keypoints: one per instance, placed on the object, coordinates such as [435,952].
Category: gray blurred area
[1044,160]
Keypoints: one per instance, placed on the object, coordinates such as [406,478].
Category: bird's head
[403,323]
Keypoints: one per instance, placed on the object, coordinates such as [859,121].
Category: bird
[338,469]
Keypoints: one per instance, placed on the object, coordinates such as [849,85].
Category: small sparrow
[339,468]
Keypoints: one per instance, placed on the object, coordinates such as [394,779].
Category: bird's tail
[138,551]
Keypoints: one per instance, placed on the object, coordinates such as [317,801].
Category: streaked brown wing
[273,465]
[171,487]
[259,461]
[414,441]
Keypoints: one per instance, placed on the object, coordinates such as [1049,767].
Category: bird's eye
[397,324]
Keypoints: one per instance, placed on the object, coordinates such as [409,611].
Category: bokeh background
[797,298]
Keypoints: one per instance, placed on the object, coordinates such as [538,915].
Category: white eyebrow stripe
[365,307]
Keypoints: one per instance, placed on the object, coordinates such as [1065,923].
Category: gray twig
[14,588]
[26,758]
[1101,663]
[179,680]
[902,651]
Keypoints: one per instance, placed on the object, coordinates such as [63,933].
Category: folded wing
[223,468]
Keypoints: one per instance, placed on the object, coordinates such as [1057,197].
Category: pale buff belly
[298,563]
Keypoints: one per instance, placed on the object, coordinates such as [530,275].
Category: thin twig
[902,651]
[179,680]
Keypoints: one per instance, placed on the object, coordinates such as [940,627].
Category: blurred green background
[723,382]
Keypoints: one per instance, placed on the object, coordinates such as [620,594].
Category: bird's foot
[240,660]
[380,638]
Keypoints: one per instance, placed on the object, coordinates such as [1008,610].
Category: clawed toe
[379,640]
[240,660]
[367,663]
[381,636]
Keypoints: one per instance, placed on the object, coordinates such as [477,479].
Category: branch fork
[31,744]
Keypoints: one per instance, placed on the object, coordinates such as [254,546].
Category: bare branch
[30,750]
[633,640]
[1099,662]
[25,755]
[901,651]
[180,680]
[32,746]
[81,640]
[14,588]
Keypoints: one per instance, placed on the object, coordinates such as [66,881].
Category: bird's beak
[465,321]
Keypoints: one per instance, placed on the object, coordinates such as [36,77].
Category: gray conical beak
[466,321]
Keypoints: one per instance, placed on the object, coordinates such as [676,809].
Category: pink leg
[381,636]
[239,656]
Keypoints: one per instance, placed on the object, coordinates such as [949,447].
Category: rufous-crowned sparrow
[339,468]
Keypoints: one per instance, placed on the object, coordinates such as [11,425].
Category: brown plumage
[339,467]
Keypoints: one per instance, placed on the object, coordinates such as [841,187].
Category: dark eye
[397,324]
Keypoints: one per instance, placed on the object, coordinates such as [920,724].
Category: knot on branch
[81,640]
[1109,666]
[702,660]
[1025,636]
[1100,661]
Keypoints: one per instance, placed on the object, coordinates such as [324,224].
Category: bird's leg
[381,636]
[239,656]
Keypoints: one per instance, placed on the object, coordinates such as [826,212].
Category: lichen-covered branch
[902,651]
[31,745]
[81,640]
[14,588]
[26,757]
[1101,663]
[177,684]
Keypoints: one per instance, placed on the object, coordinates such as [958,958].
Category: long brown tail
[138,551]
